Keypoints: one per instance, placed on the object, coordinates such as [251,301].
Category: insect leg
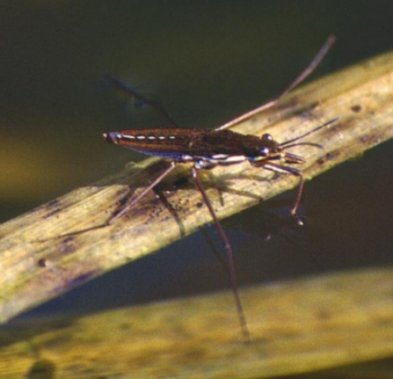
[134,94]
[129,205]
[300,78]
[229,253]
[289,171]
[123,208]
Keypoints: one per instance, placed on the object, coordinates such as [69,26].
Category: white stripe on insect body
[227,159]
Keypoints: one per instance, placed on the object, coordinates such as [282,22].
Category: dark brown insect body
[206,148]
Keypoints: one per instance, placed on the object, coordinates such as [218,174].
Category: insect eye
[267,137]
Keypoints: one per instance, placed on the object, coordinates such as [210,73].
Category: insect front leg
[287,170]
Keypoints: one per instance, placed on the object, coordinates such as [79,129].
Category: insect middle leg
[229,254]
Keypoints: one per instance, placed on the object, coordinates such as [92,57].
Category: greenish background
[207,61]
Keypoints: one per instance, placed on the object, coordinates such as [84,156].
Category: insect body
[203,147]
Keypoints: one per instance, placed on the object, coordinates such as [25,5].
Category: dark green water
[207,61]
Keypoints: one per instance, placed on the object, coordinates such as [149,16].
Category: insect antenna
[157,106]
[290,142]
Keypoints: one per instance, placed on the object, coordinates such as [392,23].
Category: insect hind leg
[318,58]
[157,106]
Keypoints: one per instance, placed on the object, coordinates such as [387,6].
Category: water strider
[205,149]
